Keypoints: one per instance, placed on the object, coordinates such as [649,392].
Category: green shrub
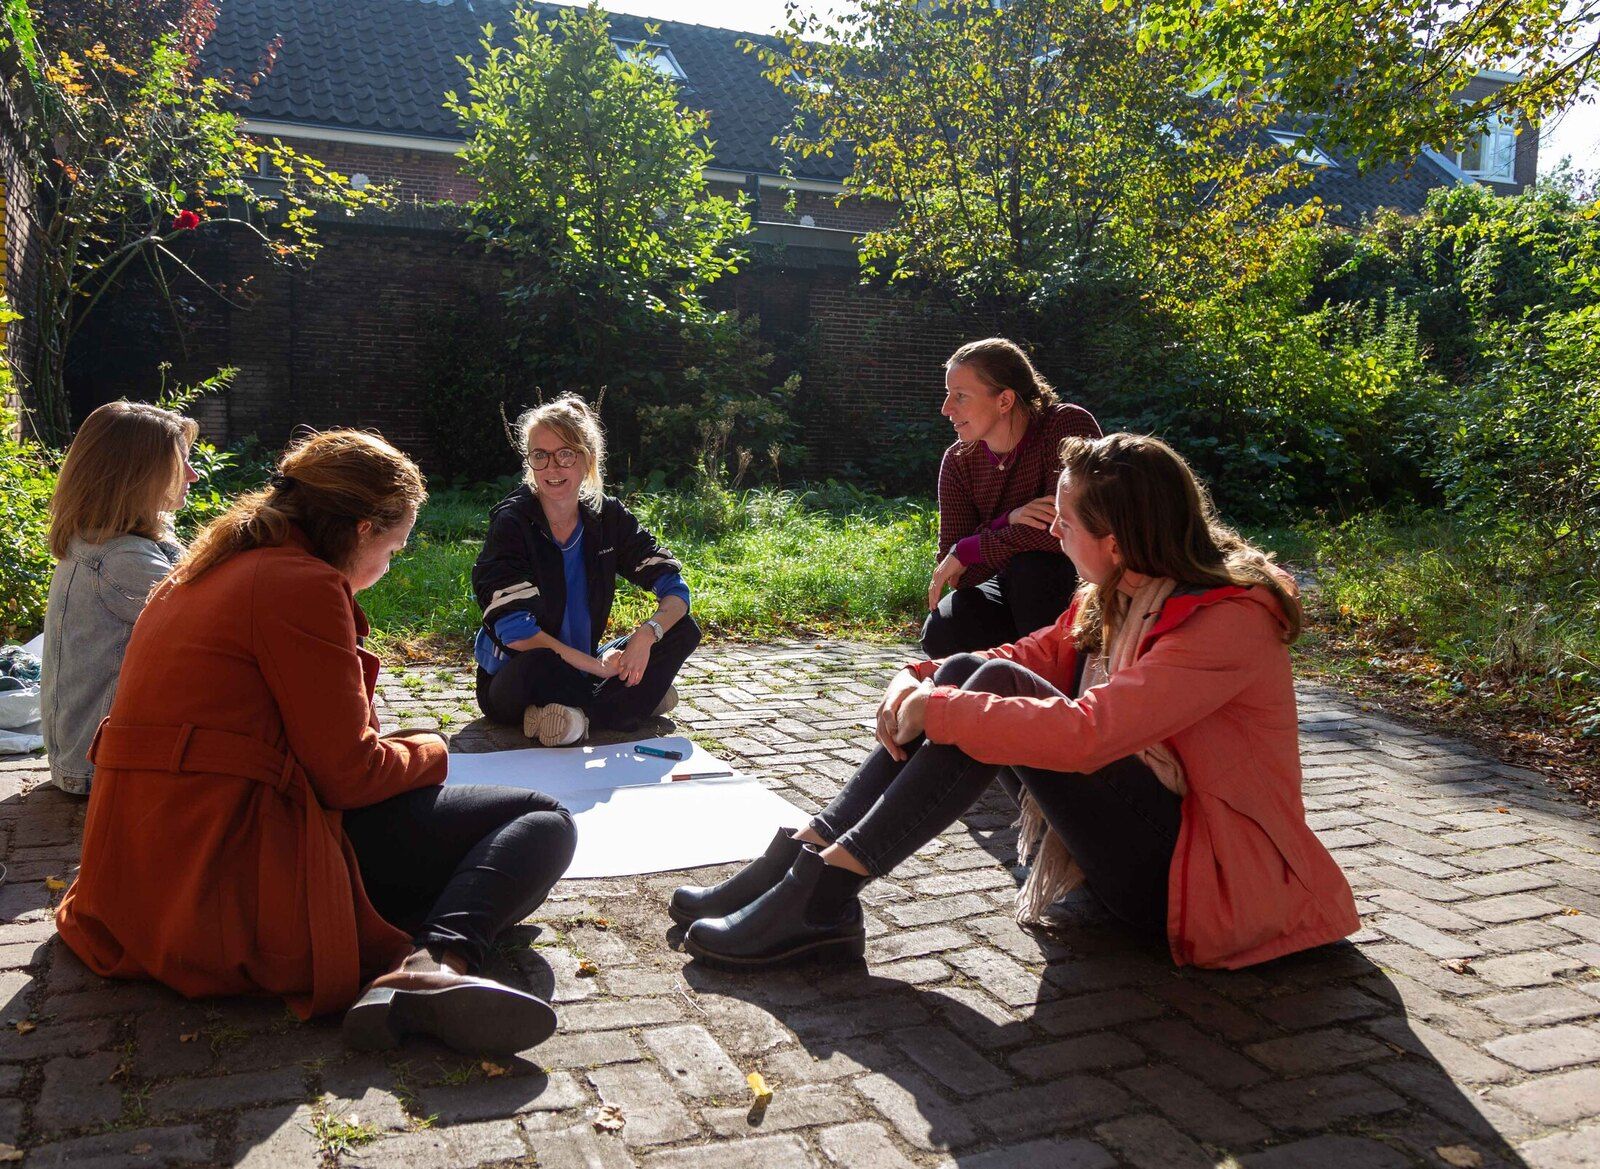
[27,479]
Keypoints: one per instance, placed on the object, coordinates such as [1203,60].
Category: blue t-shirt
[576,627]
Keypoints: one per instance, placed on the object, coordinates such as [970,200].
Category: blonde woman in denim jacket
[111,533]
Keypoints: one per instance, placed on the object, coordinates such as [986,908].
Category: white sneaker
[530,721]
[561,726]
[669,702]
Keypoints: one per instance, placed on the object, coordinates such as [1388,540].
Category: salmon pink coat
[214,857]
[1249,879]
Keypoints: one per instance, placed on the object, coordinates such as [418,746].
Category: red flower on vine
[185,221]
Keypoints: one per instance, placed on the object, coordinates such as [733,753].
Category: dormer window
[652,55]
[1492,155]
[1306,153]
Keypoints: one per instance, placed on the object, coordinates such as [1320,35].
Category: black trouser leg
[539,676]
[456,865]
[968,619]
[1119,823]
[616,705]
[1037,587]
[532,678]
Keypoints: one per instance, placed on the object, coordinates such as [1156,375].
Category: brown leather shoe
[476,1016]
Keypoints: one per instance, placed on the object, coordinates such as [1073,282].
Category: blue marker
[658,752]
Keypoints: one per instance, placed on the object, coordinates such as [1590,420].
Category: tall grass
[1503,619]
[760,563]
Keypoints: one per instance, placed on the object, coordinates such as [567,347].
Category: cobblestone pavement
[1461,1027]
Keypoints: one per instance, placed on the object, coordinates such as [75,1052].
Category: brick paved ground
[1462,1026]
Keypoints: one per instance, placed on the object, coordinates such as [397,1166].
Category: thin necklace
[1000,462]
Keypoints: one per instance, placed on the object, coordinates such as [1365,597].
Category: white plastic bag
[19,708]
[17,743]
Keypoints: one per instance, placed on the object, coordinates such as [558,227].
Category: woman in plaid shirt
[1007,577]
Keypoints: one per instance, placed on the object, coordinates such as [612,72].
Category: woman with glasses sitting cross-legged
[546,580]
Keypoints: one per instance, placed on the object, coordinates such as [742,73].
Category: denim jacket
[96,594]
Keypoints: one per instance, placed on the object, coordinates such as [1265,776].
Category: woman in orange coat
[1149,736]
[249,831]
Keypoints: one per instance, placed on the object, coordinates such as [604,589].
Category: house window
[1304,152]
[653,56]
[1492,155]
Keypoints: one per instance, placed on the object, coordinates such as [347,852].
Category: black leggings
[1119,823]
[456,865]
[539,676]
[1030,592]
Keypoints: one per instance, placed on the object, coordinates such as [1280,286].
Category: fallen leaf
[758,1085]
[189,1038]
[24,1027]
[601,923]
[10,1153]
[54,884]
[492,1069]
[610,1118]
[1503,812]
[142,1148]
[1460,1156]
[1459,965]
[1572,912]
[587,969]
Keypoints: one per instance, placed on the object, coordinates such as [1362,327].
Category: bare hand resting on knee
[900,714]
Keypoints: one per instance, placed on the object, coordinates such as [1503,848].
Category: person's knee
[1039,568]
[957,668]
[940,636]
[559,836]
[1000,676]
[686,632]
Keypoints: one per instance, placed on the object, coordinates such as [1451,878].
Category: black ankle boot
[812,912]
[692,902]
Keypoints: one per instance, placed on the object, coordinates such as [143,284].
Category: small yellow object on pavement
[758,1085]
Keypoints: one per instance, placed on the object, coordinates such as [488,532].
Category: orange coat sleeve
[304,631]
[1185,676]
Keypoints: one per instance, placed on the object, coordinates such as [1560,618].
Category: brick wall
[19,243]
[432,176]
[427,175]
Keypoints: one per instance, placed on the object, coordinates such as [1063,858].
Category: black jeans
[456,865]
[539,676]
[1119,823]
[1031,591]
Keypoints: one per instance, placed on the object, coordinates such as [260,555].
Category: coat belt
[197,749]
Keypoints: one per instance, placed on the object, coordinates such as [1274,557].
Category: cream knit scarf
[1054,873]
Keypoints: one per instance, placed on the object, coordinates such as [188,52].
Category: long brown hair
[1002,365]
[325,485]
[1140,490]
[120,475]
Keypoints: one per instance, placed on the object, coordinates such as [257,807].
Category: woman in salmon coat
[1149,737]
[250,832]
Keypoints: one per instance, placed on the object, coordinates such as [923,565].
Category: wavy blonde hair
[121,475]
[1138,489]
[577,426]
[326,485]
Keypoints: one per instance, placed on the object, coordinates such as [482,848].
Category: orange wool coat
[214,857]
[1249,880]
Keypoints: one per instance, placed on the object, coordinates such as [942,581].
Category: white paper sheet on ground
[632,816]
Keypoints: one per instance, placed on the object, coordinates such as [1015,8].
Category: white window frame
[659,57]
[1497,147]
[1304,152]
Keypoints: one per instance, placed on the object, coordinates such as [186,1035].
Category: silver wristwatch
[655,627]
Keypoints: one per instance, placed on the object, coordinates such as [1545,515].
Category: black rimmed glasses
[540,459]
